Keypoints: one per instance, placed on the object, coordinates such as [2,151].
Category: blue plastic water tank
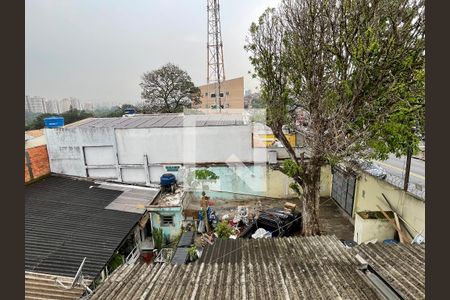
[54,122]
[167,179]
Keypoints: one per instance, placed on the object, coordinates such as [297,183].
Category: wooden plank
[400,217]
[392,222]
[399,228]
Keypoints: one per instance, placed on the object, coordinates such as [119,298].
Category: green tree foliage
[69,116]
[168,90]
[37,122]
[356,67]
[116,111]
[258,103]
[29,118]
[205,174]
[201,177]
[74,115]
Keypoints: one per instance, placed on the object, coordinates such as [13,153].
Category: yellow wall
[264,140]
[326,179]
[278,184]
[368,196]
[235,99]
[372,229]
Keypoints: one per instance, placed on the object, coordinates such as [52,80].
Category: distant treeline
[36,121]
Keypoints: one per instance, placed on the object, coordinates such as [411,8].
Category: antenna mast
[216,70]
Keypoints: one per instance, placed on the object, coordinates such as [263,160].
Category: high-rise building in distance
[35,104]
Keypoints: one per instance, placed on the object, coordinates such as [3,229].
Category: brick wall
[36,163]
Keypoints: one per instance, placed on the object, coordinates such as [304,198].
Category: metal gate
[343,189]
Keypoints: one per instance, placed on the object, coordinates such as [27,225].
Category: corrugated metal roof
[132,199]
[161,121]
[281,268]
[180,256]
[186,239]
[44,287]
[392,262]
[66,220]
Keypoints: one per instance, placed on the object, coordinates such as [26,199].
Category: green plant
[176,239]
[158,238]
[205,174]
[192,251]
[115,262]
[224,230]
[201,177]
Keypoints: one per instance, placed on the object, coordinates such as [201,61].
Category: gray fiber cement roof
[66,220]
[45,287]
[280,268]
[161,121]
[133,199]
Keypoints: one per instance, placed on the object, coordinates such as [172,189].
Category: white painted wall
[65,147]
[185,145]
[102,173]
[136,175]
[81,151]
[99,155]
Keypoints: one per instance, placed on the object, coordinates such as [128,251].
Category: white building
[66,103]
[52,106]
[140,149]
[87,106]
[35,104]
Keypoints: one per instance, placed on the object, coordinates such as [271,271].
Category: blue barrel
[54,122]
[167,179]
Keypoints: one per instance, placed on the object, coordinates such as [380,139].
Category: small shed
[373,225]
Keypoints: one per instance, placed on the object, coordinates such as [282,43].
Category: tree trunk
[311,204]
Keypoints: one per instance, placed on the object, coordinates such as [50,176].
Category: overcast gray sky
[96,50]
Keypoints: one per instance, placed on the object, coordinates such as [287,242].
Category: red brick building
[36,163]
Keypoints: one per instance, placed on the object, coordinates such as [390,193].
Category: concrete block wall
[36,163]
[368,195]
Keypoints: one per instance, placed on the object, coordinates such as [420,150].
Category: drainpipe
[146,170]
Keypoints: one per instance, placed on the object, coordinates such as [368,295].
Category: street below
[396,166]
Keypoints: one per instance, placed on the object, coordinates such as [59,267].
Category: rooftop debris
[169,199]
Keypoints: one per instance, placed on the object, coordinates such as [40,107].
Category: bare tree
[351,65]
[168,89]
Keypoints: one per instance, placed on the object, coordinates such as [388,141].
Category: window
[213,95]
[167,221]
[206,94]
[227,93]
[221,95]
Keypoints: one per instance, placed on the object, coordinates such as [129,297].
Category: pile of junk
[271,222]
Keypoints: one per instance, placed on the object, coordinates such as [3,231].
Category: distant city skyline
[97,50]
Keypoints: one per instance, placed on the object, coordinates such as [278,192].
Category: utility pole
[407,169]
[408,162]
[215,66]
